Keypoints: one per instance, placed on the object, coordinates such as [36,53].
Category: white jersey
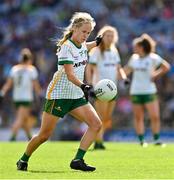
[22,77]
[60,87]
[142,73]
[106,63]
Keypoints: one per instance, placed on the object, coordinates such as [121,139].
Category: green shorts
[22,103]
[60,107]
[143,99]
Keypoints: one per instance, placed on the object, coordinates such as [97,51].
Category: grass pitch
[118,161]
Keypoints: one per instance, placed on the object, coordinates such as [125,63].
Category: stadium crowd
[37,24]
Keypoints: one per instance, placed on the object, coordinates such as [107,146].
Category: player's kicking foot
[79,164]
[22,165]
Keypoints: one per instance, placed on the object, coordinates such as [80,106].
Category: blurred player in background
[147,67]
[65,93]
[23,80]
[104,63]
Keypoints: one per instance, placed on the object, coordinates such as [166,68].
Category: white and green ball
[105,90]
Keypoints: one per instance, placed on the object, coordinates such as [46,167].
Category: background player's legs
[48,124]
[87,114]
[110,109]
[154,113]
[104,110]
[21,114]
[138,111]
[101,109]
[28,124]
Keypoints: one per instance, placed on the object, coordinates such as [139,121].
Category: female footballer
[65,93]
[104,63]
[23,79]
[147,67]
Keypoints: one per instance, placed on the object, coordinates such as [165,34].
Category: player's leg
[86,113]
[31,121]
[26,123]
[18,123]
[47,126]
[154,113]
[101,109]
[27,127]
[105,110]
[110,109]
[138,110]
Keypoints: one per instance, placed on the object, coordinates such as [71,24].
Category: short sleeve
[34,73]
[93,56]
[157,60]
[65,55]
[11,73]
[130,62]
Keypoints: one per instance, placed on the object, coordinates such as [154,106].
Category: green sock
[141,137]
[80,154]
[99,142]
[29,136]
[13,137]
[25,157]
[156,136]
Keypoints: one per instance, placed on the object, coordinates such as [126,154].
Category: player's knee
[97,126]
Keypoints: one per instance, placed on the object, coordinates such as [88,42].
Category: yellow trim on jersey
[56,79]
[65,43]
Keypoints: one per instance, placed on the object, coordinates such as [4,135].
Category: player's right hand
[92,93]
[86,89]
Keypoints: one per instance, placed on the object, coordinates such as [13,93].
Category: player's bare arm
[7,86]
[71,76]
[37,87]
[164,68]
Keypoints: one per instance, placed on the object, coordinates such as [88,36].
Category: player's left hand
[98,40]
[86,89]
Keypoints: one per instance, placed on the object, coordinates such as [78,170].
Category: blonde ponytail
[77,20]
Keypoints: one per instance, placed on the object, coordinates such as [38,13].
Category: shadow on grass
[42,171]
[56,172]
